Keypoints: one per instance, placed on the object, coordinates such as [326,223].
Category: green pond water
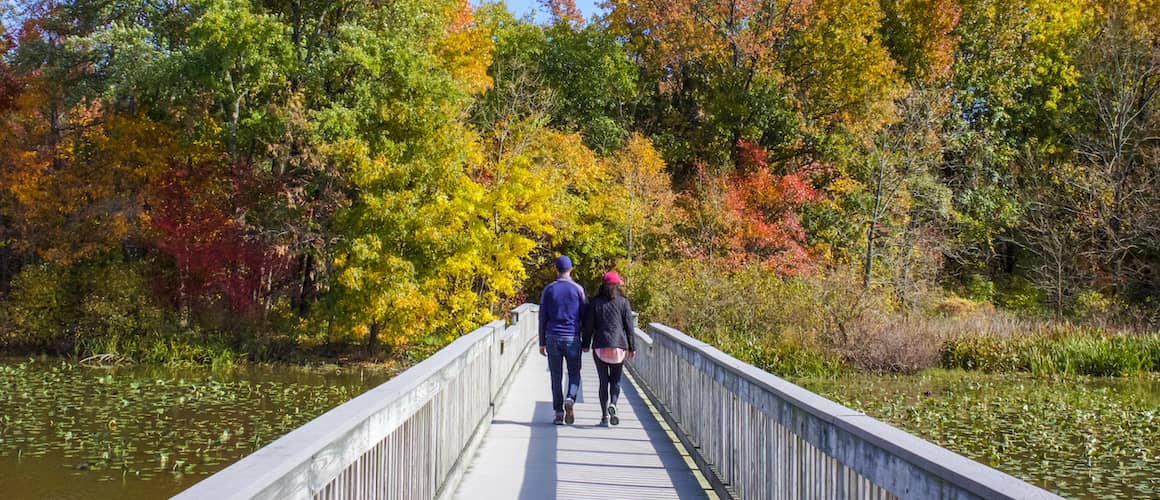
[68,431]
[73,432]
[1080,437]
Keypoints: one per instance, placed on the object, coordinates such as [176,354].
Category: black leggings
[609,375]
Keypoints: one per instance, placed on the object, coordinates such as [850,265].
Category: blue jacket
[561,305]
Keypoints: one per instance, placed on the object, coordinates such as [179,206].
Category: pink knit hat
[612,278]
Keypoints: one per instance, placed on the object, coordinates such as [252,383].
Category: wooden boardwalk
[474,420]
[524,456]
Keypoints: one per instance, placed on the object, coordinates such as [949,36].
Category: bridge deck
[523,456]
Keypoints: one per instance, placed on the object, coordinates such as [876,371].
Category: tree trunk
[868,265]
[1009,257]
[232,138]
[306,286]
[296,39]
[5,274]
[630,238]
[373,338]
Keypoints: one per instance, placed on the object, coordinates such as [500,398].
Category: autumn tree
[896,158]
[387,173]
[918,34]
[640,200]
[751,217]
[1112,186]
[780,75]
[10,90]
[563,11]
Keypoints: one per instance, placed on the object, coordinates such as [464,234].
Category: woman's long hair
[611,290]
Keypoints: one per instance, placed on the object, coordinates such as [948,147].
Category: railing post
[495,373]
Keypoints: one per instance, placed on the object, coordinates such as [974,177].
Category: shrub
[751,314]
[893,344]
[39,311]
[784,357]
[115,307]
[977,353]
[979,289]
[82,309]
[1092,303]
[818,325]
[825,323]
[796,361]
[1021,296]
[955,306]
[696,296]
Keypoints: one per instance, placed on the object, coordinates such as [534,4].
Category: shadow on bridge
[539,466]
[636,459]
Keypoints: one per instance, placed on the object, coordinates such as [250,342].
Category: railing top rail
[526,307]
[508,333]
[648,340]
[956,469]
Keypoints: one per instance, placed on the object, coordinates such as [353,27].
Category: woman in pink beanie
[608,331]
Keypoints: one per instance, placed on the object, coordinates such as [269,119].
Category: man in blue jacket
[560,307]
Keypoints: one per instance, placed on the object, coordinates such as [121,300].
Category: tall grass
[1076,353]
[750,314]
[825,324]
[189,349]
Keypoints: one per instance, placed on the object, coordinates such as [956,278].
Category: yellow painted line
[681,450]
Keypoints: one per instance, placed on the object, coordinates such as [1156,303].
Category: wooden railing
[403,439]
[755,435]
[761,437]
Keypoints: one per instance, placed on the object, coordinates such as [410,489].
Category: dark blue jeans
[562,349]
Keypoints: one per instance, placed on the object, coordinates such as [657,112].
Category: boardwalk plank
[524,456]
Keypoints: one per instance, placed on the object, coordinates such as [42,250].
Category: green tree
[581,73]
[781,75]
[1005,110]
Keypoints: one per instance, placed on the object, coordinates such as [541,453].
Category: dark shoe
[603,422]
[559,420]
[569,417]
[615,420]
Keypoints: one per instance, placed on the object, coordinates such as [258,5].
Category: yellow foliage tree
[639,199]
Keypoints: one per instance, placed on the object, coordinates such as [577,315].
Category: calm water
[1081,437]
[73,432]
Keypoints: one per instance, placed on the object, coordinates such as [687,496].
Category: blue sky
[521,7]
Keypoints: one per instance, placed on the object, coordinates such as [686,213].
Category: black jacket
[608,323]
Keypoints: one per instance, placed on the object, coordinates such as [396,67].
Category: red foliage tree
[195,220]
[763,212]
[750,216]
[763,208]
[564,11]
[9,84]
